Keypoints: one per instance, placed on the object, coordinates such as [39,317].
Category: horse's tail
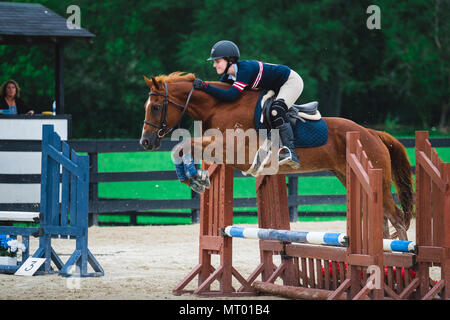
[401,173]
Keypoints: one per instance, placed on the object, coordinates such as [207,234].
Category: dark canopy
[32,23]
[28,22]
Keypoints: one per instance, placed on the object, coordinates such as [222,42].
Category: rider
[255,74]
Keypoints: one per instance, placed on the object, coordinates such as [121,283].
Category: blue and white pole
[311,237]
[323,238]
[399,245]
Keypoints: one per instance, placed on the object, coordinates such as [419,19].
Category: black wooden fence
[137,207]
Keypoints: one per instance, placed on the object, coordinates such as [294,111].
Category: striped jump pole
[311,237]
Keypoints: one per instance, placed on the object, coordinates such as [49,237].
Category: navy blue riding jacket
[252,74]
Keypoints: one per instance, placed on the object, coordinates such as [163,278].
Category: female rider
[255,74]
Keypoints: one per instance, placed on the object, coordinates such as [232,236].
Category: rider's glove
[200,84]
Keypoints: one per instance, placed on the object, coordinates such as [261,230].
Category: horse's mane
[175,77]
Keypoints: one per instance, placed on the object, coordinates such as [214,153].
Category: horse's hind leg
[395,216]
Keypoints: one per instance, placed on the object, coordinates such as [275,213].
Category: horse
[173,95]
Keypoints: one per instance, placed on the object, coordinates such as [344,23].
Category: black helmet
[225,49]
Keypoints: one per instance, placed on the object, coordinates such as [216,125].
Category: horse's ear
[155,83]
[148,82]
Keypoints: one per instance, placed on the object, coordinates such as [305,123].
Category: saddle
[310,131]
[308,111]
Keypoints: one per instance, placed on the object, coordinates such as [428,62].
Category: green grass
[243,187]
[135,161]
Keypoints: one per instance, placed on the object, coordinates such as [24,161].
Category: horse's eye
[156,107]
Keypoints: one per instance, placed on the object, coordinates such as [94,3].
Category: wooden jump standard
[64,209]
[322,272]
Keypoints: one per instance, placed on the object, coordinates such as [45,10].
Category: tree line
[393,76]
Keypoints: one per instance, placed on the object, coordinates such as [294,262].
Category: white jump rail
[19,216]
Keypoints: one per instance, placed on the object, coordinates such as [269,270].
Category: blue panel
[264,234]
[400,245]
[282,235]
[332,238]
[296,236]
[237,232]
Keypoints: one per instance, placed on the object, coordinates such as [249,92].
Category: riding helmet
[225,49]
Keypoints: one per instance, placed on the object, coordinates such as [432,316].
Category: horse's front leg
[185,156]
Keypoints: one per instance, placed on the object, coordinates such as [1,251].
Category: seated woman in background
[10,101]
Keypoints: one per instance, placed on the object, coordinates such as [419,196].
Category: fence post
[93,189]
[293,191]
[195,213]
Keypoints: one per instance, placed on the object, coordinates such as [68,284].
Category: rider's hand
[200,84]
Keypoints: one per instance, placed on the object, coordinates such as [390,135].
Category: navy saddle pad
[311,133]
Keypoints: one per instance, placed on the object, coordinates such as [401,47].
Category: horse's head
[162,113]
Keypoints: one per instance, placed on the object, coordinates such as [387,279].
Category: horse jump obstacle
[365,233]
[65,219]
[301,264]
[344,273]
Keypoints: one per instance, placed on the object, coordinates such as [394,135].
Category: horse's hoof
[197,187]
[203,178]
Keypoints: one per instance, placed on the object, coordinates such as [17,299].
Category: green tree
[416,64]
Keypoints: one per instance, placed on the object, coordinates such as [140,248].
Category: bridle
[162,126]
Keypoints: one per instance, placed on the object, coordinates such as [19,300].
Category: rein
[162,126]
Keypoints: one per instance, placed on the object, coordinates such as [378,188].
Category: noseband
[162,126]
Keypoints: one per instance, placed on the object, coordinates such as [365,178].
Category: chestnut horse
[173,95]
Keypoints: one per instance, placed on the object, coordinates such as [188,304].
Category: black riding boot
[287,139]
